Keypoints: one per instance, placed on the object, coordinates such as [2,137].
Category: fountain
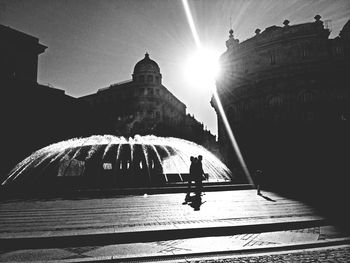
[106,161]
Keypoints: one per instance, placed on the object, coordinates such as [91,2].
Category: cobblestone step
[335,250]
[144,235]
[331,251]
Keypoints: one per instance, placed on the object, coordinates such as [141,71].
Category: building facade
[143,105]
[32,115]
[286,95]
[19,56]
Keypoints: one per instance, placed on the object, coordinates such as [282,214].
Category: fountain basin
[106,161]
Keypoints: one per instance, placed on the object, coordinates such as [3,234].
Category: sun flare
[202,68]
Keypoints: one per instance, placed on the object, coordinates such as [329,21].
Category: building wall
[144,106]
[285,93]
[131,108]
[19,56]
[32,115]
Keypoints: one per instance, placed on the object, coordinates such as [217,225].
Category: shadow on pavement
[195,201]
[267,198]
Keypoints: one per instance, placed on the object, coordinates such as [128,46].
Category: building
[19,56]
[286,94]
[143,105]
[35,115]
[32,115]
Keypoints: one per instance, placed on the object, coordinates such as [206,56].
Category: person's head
[200,157]
[192,158]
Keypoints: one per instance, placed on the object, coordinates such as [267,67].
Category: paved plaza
[123,228]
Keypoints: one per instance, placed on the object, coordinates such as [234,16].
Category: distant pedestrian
[258,181]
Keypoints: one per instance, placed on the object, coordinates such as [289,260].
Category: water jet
[107,161]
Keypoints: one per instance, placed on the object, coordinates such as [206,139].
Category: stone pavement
[340,254]
[226,221]
[191,248]
[59,217]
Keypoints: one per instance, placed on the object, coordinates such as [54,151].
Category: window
[340,97]
[157,80]
[304,52]
[149,79]
[310,115]
[272,58]
[142,78]
[107,166]
[338,50]
[276,117]
[306,96]
[150,91]
[275,101]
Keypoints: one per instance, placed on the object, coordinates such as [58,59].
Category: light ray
[232,137]
[191,23]
[216,97]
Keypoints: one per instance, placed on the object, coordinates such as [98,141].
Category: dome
[146,65]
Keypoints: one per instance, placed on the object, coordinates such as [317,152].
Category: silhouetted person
[199,173]
[258,180]
[196,200]
[191,177]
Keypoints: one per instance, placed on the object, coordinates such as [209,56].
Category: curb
[167,189]
[244,252]
[150,235]
[91,193]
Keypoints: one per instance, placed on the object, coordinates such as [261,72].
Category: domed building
[143,105]
[139,105]
[147,71]
[286,95]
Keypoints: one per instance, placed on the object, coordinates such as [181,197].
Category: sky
[95,43]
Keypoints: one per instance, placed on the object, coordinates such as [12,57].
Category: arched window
[275,101]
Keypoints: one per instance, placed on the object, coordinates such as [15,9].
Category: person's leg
[198,187]
[189,186]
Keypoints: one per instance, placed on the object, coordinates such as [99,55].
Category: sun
[202,67]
